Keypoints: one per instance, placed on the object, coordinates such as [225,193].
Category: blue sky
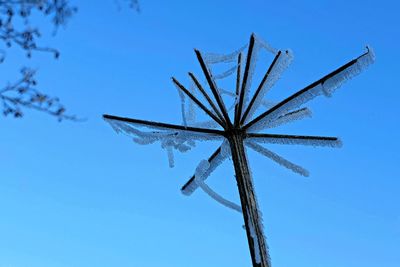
[77,194]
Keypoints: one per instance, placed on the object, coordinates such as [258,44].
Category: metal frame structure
[236,132]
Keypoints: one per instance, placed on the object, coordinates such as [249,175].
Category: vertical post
[254,231]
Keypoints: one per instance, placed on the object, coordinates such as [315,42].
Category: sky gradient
[79,195]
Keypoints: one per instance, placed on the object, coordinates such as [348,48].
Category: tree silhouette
[16,29]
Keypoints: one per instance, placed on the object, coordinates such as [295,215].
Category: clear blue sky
[79,195]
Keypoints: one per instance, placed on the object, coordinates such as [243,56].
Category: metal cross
[243,130]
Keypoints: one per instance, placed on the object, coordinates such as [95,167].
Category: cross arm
[295,139]
[164,126]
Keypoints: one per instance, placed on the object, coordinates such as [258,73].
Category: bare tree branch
[12,13]
[23,94]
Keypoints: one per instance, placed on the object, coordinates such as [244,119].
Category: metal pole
[257,245]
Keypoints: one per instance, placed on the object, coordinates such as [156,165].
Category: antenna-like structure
[244,130]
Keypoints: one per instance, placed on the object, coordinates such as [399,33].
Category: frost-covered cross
[244,130]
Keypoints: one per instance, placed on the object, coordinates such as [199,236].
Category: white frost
[200,175]
[255,239]
[326,88]
[170,140]
[258,45]
[221,156]
[282,63]
[278,159]
[330,85]
[213,58]
[226,73]
[284,119]
[297,141]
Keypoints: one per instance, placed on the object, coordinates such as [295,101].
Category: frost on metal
[170,140]
[202,172]
[276,158]
[204,95]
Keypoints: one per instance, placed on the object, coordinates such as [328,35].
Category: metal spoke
[260,87]
[245,80]
[213,88]
[241,134]
[190,186]
[165,125]
[305,92]
[278,159]
[238,78]
[295,139]
[207,97]
[195,100]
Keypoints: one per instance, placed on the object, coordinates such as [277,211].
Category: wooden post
[255,236]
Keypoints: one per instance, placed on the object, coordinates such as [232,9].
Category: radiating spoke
[207,97]
[278,159]
[260,87]
[238,78]
[281,120]
[213,88]
[324,86]
[295,139]
[195,100]
[215,160]
[245,80]
[165,126]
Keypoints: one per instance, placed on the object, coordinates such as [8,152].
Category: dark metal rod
[204,93]
[304,90]
[164,125]
[238,78]
[286,136]
[254,229]
[254,98]
[191,180]
[195,100]
[245,79]
[213,88]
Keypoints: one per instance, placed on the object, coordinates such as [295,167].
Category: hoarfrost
[226,92]
[191,112]
[213,58]
[267,103]
[258,45]
[284,119]
[265,45]
[200,175]
[211,124]
[325,86]
[255,240]
[297,140]
[330,85]
[170,154]
[278,159]
[226,73]
[282,63]
[181,140]
[183,106]
[220,156]
[187,105]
